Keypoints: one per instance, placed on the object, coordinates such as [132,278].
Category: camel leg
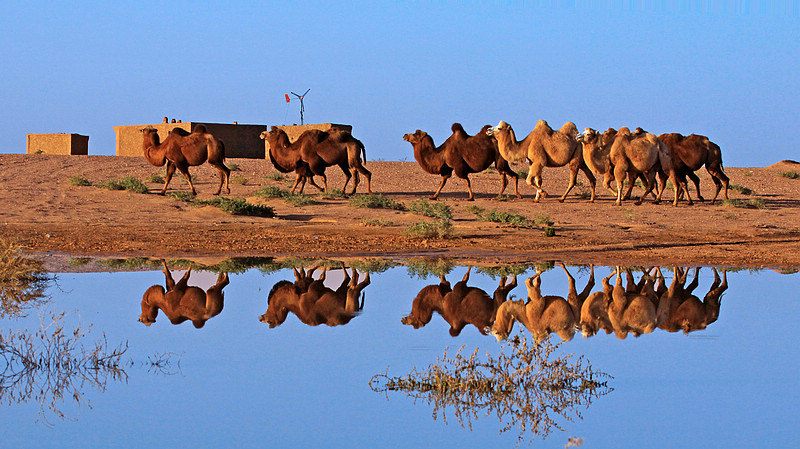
[367,174]
[505,169]
[224,178]
[170,172]
[469,189]
[719,179]
[607,178]
[184,169]
[591,178]
[588,289]
[466,275]
[573,177]
[299,180]
[169,281]
[696,180]
[441,186]
[620,173]
[347,175]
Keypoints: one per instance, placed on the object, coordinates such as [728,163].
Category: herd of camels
[636,308]
[616,155]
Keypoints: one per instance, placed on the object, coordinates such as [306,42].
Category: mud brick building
[58,143]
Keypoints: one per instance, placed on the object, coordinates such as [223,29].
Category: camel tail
[363,150]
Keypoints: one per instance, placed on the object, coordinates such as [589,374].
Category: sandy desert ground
[45,213]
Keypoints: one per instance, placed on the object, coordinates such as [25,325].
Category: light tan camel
[462,154]
[459,306]
[319,150]
[180,302]
[685,311]
[543,147]
[637,308]
[543,315]
[627,156]
[594,311]
[182,150]
[314,303]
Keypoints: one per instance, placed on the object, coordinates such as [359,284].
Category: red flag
[287,97]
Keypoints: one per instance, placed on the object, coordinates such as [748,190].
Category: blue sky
[728,70]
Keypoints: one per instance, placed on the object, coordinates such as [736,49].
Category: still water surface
[237,381]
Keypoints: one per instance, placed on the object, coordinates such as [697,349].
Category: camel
[685,311]
[459,306]
[462,154]
[637,308]
[180,302]
[182,150]
[691,152]
[544,147]
[314,303]
[318,150]
[594,311]
[628,155]
[543,315]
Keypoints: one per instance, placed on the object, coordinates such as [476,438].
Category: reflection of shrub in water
[52,365]
[23,281]
[424,268]
[528,388]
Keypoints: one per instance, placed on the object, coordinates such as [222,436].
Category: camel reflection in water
[181,302]
[314,303]
[636,308]
[685,311]
[543,315]
[459,305]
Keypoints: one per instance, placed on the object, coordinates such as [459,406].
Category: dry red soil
[45,213]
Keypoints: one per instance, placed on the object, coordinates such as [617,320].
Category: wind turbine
[302,106]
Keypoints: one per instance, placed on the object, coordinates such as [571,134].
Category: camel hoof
[470,199]
[561,200]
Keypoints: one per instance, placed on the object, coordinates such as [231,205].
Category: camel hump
[179,131]
[200,129]
[457,127]
[624,131]
[569,129]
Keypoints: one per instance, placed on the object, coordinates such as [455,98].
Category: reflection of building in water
[528,387]
[181,302]
[459,306]
[314,303]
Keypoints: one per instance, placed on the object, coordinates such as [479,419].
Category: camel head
[263,135]
[415,137]
[501,127]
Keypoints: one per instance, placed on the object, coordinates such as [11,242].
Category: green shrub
[293,199]
[742,189]
[428,209]
[130,184]
[543,220]
[238,206]
[496,216]
[182,195]
[240,180]
[750,203]
[790,174]
[234,167]
[334,194]
[275,176]
[437,229]
[271,192]
[79,181]
[376,222]
[375,201]
[299,199]
[473,209]
[155,178]
[549,231]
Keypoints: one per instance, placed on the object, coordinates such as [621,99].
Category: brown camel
[289,161]
[462,154]
[692,152]
[459,306]
[182,150]
[544,147]
[543,315]
[318,150]
[180,302]
[314,303]
[685,311]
